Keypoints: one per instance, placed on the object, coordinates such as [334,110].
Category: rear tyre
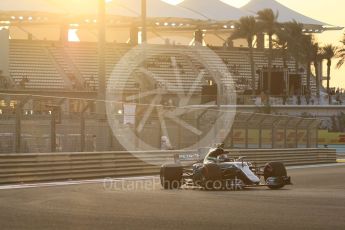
[211,177]
[171,176]
[276,170]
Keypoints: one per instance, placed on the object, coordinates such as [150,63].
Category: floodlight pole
[143,21]
[101,50]
[100,105]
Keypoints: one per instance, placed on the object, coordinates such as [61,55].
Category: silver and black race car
[217,171]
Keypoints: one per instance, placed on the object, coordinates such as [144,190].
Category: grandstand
[50,65]
[68,66]
[32,61]
[39,58]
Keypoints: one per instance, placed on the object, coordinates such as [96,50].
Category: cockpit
[216,155]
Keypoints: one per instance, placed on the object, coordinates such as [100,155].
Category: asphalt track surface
[315,201]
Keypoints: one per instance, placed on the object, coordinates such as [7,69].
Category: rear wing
[192,157]
[187,158]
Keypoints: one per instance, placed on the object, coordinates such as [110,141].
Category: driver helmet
[221,146]
[223,158]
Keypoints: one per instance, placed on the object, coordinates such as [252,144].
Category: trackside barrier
[21,168]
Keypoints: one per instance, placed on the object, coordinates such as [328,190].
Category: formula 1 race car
[216,171]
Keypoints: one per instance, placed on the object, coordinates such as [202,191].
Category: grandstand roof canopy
[285,14]
[90,7]
[128,8]
[192,11]
[214,10]
[158,9]
[32,6]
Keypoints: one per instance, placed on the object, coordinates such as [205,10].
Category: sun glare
[236,3]
[73,36]
[173,2]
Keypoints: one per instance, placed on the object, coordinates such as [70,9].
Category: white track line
[72,182]
[100,181]
[316,166]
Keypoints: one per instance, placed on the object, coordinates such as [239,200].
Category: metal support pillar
[101,49]
[64,28]
[133,35]
[260,132]
[18,135]
[55,110]
[18,128]
[317,135]
[261,79]
[198,37]
[82,127]
[53,130]
[273,137]
[143,21]
[232,137]
[285,132]
[260,137]
[285,137]
[308,134]
[274,133]
[296,132]
[260,41]
[82,132]
[197,125]
[316,138]
[247,130]
[246,137]
[308,137]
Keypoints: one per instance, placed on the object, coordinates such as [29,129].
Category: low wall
[20,168]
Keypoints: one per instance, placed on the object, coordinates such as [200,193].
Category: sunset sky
[330,11]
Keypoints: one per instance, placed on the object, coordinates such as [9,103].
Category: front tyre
[211,177]
[274,172]
[171,176]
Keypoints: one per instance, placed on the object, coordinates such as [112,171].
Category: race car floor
[315,201]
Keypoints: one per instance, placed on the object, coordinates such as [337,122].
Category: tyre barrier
[39,167]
